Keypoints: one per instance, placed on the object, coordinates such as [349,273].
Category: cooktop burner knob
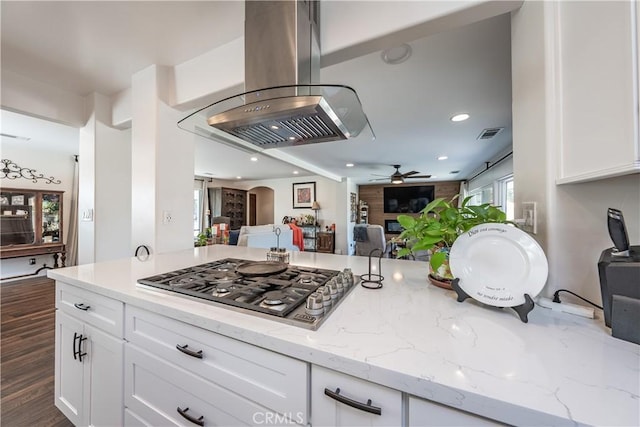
[339,285]
[314,305]
[349,276]
[333,289]
[326,295]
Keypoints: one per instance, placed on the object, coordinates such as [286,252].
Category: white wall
[113,194]
[21,94]
[572,224]
[49,163]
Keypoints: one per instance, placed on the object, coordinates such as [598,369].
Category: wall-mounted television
[407,199]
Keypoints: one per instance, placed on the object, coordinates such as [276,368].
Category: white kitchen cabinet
[342,400]
[188,362]
[596,74]
[423,413]
[89,365]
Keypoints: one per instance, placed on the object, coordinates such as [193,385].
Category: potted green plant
[201,240]
[438,226]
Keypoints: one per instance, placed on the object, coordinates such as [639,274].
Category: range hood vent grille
[301,128]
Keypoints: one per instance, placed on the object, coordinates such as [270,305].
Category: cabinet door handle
[198,421]
[81,306]
[185,350]
[75,352]
[81,338]
[353,403]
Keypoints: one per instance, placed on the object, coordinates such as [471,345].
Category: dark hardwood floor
[27,354]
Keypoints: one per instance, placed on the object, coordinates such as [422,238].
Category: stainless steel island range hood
[281,105]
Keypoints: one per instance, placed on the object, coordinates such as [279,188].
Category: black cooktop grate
[218,281]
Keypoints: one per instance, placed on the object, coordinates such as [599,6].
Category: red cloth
[298,239]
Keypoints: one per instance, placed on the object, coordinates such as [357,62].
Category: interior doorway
[261,206]
[252,209]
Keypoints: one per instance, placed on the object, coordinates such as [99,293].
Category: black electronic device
[619,271]
[618,232]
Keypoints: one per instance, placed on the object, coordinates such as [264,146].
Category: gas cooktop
[297,295]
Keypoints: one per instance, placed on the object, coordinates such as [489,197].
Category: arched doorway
[261,206]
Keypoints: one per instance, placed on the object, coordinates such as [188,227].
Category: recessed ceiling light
[443,158]
[254,159]
[296,172]
[238,177]
[292,138]
[396,55]
[460,117]
[349,165]
[274,127]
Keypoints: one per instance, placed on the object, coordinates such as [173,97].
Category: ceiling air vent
[489,133]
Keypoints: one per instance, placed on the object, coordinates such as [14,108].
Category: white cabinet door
[104,367]
[424,413]
[342,400]
[597,101]
[88,374]
[69,370]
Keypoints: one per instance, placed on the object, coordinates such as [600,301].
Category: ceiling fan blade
[379,179]
[418,176]
[406,174]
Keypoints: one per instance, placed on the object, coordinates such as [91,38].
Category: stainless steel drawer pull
[81,306]
[198,421]
[353,403]
[185,350]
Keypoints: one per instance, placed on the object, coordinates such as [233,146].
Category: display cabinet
[31,223]
[229,202]
[326,241]
[363,212]
[309,237]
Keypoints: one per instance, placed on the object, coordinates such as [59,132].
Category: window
[504,187]
[499,192]
[481,195]
[197,200]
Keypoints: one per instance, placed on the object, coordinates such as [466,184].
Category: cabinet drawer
[275,381]
[155,389]
[425,413]
[97,310]
[329,411]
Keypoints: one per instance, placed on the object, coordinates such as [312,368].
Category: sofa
[264,236]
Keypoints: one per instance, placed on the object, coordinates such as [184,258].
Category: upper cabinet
[595,57]
[30,222]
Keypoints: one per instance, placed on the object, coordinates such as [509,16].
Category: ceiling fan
[398,177]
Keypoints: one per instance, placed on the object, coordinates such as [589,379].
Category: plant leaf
[437,259]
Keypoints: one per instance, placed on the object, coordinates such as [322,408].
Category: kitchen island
[410,337]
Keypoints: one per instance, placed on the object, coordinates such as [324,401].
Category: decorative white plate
[498,263]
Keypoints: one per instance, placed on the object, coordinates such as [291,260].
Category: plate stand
[522,309]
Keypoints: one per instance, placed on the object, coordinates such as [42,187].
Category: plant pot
[441,283]
[441,277]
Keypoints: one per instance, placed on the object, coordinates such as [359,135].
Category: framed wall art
[304,194]
[352,204]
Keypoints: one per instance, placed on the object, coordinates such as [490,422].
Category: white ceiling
[97,46]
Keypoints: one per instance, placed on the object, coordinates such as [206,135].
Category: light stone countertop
[557,369]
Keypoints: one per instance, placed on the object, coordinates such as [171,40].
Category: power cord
[556,297]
